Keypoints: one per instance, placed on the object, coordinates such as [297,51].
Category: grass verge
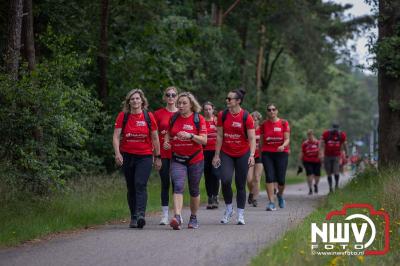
[88,201]
[380,189]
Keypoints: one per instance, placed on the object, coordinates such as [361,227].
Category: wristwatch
[191,136]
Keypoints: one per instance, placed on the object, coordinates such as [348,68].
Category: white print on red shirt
[236,124]
[277,129]
[187,127]
[140,123]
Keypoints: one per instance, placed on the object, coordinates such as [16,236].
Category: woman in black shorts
[311,161]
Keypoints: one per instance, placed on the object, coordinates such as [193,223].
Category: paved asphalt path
[211,244]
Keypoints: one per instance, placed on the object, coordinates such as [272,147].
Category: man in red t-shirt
[333,141]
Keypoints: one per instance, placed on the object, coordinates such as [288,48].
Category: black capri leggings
[275,165]
[212,180]
[165,181]
[241,167]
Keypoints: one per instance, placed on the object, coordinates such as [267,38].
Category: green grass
[88,201]
[381,189]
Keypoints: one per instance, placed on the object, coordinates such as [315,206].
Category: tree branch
[230,9]
[271,70]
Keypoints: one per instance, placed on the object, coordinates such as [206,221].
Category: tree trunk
[242,30]
[29,36]
[388,88]
[14,38]
[102,57]
[260,64]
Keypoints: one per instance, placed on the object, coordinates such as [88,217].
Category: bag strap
[245,115]
[124,122]
[148,120]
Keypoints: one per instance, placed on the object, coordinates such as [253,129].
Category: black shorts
[257,160]
[312,168]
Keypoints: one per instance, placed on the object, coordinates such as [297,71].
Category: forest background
[76,60]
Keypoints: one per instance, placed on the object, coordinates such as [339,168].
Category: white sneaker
[227,216]
[164,220]
[240,219]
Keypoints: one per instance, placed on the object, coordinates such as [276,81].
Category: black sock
[330,181]
[337,180]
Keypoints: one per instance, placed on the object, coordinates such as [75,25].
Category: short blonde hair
[125,104]
[196,107]
[256,114]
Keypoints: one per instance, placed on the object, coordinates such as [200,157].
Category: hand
[281,148]
[167,145]
[216,162]
[251,161]
[119,159]
[183,135]
[157,163]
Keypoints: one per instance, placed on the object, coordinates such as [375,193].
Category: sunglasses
[230,99]
[170,95]
[271,109]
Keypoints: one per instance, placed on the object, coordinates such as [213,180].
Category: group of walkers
[183,144]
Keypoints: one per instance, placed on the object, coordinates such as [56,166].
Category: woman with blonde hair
[136,148]
[186,136]
[162,116]
[255,172]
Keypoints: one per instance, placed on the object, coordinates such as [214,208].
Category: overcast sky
[361,55]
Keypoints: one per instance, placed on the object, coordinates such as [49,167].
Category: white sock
[240,212]
[165,210]
[229,207]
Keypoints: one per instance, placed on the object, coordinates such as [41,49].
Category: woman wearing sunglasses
[162,117]
[234,151]
[274,140]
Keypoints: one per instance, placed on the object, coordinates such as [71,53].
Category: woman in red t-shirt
[274,142]
[310,157]
[211,178]
[162,117]
[255,172]
[135,151]
[186,136]
[234,151]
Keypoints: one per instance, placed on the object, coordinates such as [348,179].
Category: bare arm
[286,141]
[116,141]
[251,135]
[156,145]
[217,160]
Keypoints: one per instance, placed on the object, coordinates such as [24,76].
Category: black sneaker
[255,203]
[250,198]
[133,223]
[215,202]
[310,192]
[210,203]
[315,189]
[141,222]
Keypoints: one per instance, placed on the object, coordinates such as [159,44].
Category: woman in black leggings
[211,178]
[274,140]
[234,151]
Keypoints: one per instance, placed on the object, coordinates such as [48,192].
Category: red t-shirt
[310,149]
[211,135]
[258,132]
[162,117]
[273,135]
[187,147]
[332,146]
[234,142]
[136,138]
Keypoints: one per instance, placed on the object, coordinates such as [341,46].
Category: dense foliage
[155,44]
